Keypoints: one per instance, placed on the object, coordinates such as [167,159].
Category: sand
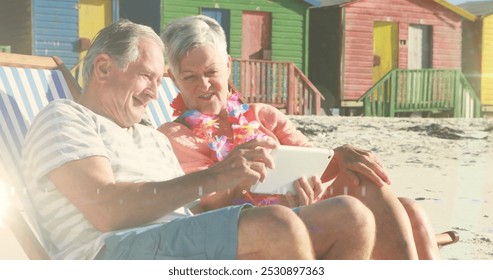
[444,164]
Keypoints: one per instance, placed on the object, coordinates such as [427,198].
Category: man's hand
[245,165]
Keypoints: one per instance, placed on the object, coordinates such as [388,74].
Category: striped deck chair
[27,84]
[159,111]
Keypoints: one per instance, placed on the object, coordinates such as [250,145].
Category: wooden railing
[433,90]
[280,84]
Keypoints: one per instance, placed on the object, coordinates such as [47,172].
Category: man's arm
[89,184]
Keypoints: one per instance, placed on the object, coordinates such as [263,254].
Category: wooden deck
[423,90]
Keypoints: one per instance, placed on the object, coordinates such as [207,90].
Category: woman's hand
[308,192]
[355,162]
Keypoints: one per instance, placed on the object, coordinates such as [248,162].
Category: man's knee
[273,232]
[274,218]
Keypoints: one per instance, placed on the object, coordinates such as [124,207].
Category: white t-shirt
[65,131]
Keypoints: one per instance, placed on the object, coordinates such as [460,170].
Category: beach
[445,164]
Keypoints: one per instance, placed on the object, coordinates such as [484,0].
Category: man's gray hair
[184,34]
[120,40]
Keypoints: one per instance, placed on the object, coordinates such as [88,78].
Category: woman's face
[203,79]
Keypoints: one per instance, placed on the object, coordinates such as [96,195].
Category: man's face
[127,92]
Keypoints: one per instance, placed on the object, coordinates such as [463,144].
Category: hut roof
[456,9]
[325,3]
[479,8]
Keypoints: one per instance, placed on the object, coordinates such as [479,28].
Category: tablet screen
[291,164]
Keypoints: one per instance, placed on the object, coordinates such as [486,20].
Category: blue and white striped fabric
[159,111]
[23,93]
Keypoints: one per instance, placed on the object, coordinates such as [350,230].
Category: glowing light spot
[4,200]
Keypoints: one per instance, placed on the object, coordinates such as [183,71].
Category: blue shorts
[296,210]
[207,236]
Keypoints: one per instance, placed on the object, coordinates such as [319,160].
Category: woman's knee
[415,212]
[411,206]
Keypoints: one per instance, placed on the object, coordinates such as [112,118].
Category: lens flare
[4,200]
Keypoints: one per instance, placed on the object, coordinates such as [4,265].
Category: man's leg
[340,228]
[272,232]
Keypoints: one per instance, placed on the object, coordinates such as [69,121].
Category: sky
[456,2]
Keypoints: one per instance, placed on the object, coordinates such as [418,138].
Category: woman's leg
[394,236]
[423,233]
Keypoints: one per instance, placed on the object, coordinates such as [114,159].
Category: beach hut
[255,29]
[268,41]
[40,27]
[354,44]
[65,28]
[477,58]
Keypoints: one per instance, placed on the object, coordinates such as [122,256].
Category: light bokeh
[4,200]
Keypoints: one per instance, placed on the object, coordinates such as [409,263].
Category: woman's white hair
[184,34]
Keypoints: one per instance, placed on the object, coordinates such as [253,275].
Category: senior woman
[212,121]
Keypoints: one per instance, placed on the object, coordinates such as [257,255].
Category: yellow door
[487,62]
[93,16]
[385,49]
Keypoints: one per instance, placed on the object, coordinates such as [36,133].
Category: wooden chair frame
[41,62]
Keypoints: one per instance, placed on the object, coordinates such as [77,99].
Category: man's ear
[102,67]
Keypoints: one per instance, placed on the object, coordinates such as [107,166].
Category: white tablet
[292,163]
